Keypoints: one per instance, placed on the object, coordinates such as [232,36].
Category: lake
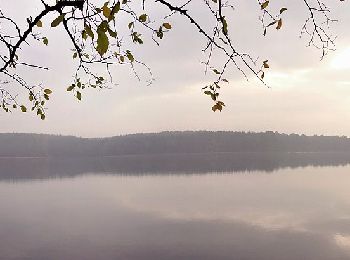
[81,209]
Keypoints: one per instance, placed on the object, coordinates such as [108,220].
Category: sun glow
[341,60]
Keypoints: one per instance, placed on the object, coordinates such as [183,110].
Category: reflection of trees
[42,168]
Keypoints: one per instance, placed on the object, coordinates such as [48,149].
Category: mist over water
[256,208]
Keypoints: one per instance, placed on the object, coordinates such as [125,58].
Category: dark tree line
[36,145]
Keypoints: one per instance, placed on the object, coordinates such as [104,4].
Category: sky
[306,95]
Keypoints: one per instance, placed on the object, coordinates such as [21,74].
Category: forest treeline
[42,145]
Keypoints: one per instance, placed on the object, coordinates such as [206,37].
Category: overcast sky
[306,95]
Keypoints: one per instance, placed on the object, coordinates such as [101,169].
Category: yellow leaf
[39,24]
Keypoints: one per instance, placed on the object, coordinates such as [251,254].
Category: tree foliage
[99,35]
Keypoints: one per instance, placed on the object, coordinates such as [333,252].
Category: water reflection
[301,213]
[298,211]
[42,168]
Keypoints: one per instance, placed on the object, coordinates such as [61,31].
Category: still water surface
[299,213]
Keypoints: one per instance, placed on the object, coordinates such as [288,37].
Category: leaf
[115,9]
[216,71]
[84,35]
[264,5]
[75,55]
[46,96]
[262,75]
[112,33]
[265,64]
[167,26]
[89,31]
[103,26]
[39,23]
[224,26]
[57,21]
[23,109]
[225,80]
[130,56]
[160,33]
[102,42]
[143,18]
[283,9]
[47,91]
[45,41]
[207,92]
[106,10]
[78,95]
[71,87]
[279,24]
[42,117]
[218,106]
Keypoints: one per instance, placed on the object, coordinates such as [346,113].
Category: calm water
[288,213]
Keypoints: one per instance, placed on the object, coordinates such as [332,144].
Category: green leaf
[115,9]
[167,26]
[112,33]
[102,42]
[78,95]
[70,88]
[47,91]
[130,56]
[143,18]
[264,5]
[45,41]
[89,31]
[207,92]
[46,96]
[24,109]
[57,21]
[84,34]
[39,23]
[42,116]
